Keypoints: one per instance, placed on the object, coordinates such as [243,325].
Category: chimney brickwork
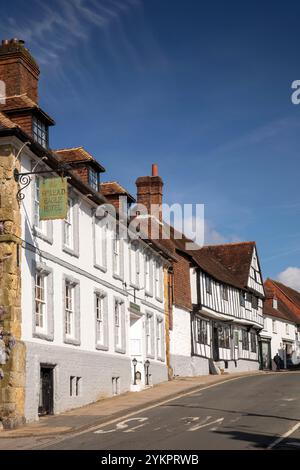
[18,69]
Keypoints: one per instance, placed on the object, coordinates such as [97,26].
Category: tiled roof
[236,257]
[17,103]
[202,258]
[292,294]
[282,311]
[76,154]
[6,123]
[113,188]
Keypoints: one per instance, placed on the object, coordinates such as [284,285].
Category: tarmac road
[255,412]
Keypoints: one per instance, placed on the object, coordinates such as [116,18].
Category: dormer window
[40,132]
[275,304]
[94,179]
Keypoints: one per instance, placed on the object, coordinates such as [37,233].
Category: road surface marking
[123,425]
[200,426]
[284,436]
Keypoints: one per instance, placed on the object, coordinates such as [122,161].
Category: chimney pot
[154,170]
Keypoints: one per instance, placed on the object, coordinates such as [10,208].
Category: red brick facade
[18,70]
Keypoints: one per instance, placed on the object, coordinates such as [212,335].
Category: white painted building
[280,334]
[91,301]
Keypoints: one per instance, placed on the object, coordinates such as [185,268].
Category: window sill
[148,293]
[119,277]
[71,251]
[73,341]
[159,299]
[101,268]
[41,335]
[43,236]
[120,350]
[101,347]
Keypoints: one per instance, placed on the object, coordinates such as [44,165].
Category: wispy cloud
[64,23]
[290,277]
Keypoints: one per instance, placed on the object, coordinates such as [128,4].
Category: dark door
[215,343]
[46,391]
[265,355]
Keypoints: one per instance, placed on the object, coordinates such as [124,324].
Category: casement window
[40,301]
[119,325]
[100,244]
[134,256]
[248,297]
[254,302]
[224,336]
[93,179]
[101,312]
[274,326]
[117,256]
[253,342]
[242,299]
[275,304]
[201,331]
[208,285]
[158,280]
[224,292]
[43,320]
[71,311]
[148,275]
[245,340]
[149,328]
[160,338]
[40,132]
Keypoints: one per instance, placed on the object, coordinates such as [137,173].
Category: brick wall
[182,284]
[23,120]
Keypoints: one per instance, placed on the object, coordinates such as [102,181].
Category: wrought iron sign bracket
[24,179]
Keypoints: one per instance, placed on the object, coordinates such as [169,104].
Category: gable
[255,280]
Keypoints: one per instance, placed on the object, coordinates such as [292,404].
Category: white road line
[284,436]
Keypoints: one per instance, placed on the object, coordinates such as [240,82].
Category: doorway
[265,355]
[46,391]
[215,343]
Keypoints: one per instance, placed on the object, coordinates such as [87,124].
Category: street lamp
[147,364]
[134,362]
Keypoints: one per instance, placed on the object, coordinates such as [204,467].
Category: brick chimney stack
[18,69]
[150,191]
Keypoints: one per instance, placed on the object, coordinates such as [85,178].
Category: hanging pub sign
[53,198]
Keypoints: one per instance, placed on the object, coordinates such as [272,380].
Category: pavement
[105,410]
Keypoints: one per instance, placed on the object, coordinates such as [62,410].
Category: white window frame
[148,274]
[160,338]
[47,331]
[117,249]
[40,301]
[149,334]
[100,298]
[71,335]
[119,325]
[134,258]
[100,235]
[70,224]
[274,326]
[158,274]
[69,310]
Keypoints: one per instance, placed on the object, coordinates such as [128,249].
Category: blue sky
[201,88]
